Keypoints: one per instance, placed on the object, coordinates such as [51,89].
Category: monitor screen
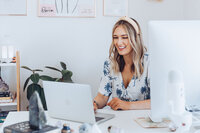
[173,45]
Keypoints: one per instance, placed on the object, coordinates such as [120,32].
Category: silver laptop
[70,101]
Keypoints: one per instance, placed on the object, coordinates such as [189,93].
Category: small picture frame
[67,8]
[115,7]
[13,7]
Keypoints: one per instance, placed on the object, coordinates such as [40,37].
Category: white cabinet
[16,102]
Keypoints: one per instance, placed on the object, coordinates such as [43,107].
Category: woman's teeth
[121,47]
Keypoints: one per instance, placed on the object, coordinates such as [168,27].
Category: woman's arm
[117,104]
[100,101]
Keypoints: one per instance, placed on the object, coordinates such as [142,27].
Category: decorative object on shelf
[115,8]
[34,77]
[66,8]
[37,119]
[11,51]
[13,60]
[4,52]
[3,86]
[7,50]
[66,74]
[13,7]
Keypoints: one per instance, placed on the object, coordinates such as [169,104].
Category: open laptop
[70,101]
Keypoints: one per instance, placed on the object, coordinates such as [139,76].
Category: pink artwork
[67,8]
[47,10]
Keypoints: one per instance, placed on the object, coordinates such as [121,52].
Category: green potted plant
[65,74]
[35,77]
[34,86]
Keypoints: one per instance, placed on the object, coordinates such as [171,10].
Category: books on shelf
[6,100]
[5,94]
[3,115]
[7,97]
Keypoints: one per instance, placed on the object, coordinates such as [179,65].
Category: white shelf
[7,64]
[17,65]
[14,103]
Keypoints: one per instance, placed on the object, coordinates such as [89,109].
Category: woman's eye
[124,37]
[115,37]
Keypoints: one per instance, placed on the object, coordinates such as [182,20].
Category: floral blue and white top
[111,83]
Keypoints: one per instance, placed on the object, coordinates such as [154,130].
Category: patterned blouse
[111,83]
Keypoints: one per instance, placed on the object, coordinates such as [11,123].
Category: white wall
[82,43]
[192,10]
[145,10]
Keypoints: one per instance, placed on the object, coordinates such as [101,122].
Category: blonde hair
[135,39]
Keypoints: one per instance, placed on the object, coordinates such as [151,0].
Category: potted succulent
[34,86]
[35,77]
[66,74]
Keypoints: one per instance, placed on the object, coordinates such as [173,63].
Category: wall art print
[13,7]
[67,8]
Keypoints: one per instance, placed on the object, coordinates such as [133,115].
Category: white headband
[132,22]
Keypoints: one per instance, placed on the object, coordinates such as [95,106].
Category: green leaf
[70,73]
[38,70]
[58,80]
[35,78]
[66,74]
[43,100]
[63,65]
[27,68]
[68,80]
[53,68]
[31,89]
[35,87]
[48,78]
[26,82]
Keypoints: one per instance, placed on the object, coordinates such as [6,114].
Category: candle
[4,52]
[10,51]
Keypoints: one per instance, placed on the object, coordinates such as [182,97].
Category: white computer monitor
[173,45]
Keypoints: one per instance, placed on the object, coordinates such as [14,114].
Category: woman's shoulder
[107,62]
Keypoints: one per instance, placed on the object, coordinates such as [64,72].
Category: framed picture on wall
[115,8]
[67,8]
[13,7]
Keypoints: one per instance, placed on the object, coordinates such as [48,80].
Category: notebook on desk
[70,101]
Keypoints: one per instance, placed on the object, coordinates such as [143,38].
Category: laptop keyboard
[98,118]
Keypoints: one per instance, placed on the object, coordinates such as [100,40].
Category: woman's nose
[119,41]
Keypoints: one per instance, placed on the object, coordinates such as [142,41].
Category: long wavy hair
[136,42]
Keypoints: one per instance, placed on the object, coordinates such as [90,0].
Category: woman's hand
[117,104]
[95,106]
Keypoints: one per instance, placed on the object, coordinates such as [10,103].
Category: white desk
[123,119]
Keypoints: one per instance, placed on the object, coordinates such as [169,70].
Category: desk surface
[123,119]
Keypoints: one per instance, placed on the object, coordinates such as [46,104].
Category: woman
[125,73]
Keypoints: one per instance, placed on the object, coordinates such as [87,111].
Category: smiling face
[121,41]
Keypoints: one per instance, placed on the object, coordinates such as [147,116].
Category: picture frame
[115,8]
[13,7]
[67,8]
